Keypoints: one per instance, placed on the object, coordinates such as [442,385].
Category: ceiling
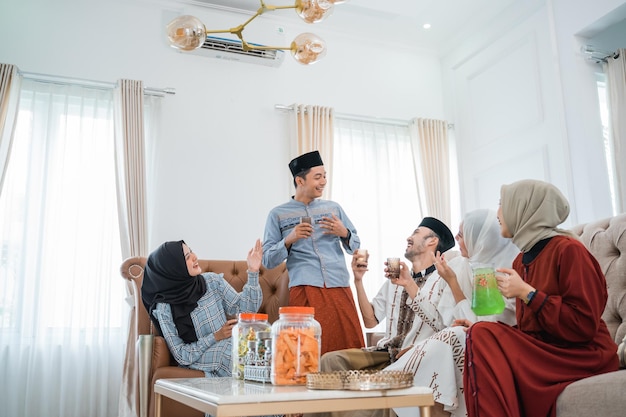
[398,21]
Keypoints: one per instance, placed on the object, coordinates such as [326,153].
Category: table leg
[157,405]
[424,411]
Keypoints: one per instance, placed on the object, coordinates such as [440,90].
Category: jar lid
[296,310]
[253,316]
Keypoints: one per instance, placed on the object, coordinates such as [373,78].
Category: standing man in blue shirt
[318,276]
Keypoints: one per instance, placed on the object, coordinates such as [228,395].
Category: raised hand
[255,256]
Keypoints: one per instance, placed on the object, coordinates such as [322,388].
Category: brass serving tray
[359,380]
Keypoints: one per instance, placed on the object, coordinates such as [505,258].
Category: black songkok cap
[446,239]
[304,162]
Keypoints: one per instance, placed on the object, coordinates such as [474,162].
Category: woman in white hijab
[438,361]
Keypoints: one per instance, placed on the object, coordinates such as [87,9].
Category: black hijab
[166,280]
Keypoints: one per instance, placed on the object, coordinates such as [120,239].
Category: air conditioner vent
[231,49]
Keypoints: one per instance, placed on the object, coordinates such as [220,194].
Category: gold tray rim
[359,380]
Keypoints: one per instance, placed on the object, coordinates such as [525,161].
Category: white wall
[222,151]
[582,117]
[524,103]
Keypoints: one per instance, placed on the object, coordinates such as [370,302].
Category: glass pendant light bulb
[186,33]
[313,11]
[308,48]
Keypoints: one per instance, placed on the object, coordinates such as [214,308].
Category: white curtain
[615,69]
[61,296]
[374,182]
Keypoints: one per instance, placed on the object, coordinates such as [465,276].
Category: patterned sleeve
[274,250]
[428,305]
[184,353]
[250,298]
[355,241]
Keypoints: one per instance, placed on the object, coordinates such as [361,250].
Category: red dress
[560,337]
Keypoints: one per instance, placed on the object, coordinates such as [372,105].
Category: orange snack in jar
[296,346]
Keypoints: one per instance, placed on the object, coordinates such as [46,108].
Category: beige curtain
[314,131]
[429,140]
[615,69]
[9,95]
[131,193]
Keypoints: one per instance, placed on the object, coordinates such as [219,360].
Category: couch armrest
[144,358]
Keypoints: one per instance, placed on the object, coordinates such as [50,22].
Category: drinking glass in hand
[393,267]
[361,257]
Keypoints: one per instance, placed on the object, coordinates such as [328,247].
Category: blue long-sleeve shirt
[318,260]
[220,299]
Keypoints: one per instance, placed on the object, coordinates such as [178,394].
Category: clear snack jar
[296,345]
[245,340]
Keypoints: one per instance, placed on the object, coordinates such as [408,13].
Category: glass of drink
[486,298]
[393,267]
[361,257]
[305,219]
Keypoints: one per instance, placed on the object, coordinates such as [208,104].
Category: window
[604,115]
[381,200]
[61,295]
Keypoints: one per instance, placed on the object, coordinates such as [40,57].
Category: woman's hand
[511,284]
[255,256]
[226,331]
[462,322]
[443,268]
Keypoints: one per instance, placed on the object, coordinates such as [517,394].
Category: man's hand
[359,268]
[334,226]
[403,351]
[300,231]
[404,280]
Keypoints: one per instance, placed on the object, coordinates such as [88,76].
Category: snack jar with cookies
[296,345]
[245,339]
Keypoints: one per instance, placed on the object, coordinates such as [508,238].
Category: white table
[227,397]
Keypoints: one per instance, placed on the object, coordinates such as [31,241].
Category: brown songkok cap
[304,162]
[445,235]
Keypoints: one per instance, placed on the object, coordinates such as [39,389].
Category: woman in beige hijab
[560,336]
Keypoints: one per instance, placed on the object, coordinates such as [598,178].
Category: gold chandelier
[188,32]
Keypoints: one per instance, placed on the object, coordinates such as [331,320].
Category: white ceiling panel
[396,21]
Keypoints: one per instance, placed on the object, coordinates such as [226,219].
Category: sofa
[148,357]
[604,395]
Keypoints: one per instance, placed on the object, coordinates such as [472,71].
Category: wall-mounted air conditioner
[232,50]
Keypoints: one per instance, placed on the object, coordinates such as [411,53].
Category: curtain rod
[597,55]
[354,117]
[357,118]
[54,79]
